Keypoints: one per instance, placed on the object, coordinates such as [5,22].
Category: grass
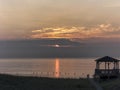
[111,84]
[9,82]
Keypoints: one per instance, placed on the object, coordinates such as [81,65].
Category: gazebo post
[105,65]
[117,65]
[108,65]
[114,66]
[97,65]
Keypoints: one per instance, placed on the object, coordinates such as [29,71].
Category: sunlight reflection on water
[57,71]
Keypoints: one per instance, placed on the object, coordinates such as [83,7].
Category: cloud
[102,30]
[112,3]
[58,18]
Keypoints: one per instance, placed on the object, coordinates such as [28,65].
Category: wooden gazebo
[107,67]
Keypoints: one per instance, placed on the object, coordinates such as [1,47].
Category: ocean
[56,68]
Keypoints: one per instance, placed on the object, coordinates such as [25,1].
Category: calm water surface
[70,68]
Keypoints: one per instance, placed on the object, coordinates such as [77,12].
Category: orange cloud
[102,30]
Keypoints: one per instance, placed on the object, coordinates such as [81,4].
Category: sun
[57,46]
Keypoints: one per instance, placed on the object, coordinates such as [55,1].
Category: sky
[82,19]
[59,28]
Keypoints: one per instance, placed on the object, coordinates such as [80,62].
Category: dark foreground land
[9,82]
[111,84]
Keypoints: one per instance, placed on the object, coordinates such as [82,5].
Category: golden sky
[59,19]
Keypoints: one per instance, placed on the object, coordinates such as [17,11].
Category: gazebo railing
[107,71]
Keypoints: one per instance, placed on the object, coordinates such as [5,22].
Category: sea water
[55,67]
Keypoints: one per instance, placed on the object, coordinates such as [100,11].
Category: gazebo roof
[107,59]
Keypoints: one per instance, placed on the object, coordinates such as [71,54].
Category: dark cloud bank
[43,48]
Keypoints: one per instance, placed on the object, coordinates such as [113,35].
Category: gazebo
[107,67]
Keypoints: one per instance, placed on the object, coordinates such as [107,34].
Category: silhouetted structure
[107,67]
